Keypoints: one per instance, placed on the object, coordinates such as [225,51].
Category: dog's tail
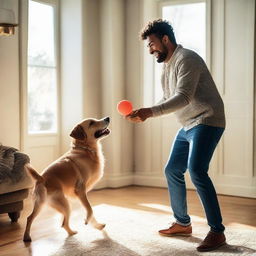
[35,175]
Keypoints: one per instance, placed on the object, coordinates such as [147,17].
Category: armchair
[14,181]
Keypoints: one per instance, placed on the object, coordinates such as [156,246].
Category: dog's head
[91,130]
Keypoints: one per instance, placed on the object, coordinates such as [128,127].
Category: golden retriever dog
[73,174]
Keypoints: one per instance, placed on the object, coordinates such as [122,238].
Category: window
[42,69]
[188,19]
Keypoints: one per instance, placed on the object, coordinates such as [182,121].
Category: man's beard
[162,55]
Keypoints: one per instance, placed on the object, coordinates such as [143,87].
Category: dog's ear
[78,133]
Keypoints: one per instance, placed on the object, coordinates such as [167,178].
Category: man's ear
[78,133]
[165,39]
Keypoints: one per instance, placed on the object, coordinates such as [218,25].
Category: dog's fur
[73,174]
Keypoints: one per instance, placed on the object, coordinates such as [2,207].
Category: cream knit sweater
[189,91]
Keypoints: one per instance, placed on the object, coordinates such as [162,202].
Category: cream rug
[131,232]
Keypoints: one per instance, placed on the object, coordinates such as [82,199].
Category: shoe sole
[212,248]
[176,234]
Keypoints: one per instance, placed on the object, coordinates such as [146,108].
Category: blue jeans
[193,150]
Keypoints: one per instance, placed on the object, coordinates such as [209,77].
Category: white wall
[93,78]
[236,174]
[9,83]
[118,148]
[91,43]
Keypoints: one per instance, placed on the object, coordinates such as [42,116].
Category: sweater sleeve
[188,73]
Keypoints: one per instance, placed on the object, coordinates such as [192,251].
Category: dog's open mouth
[101,133]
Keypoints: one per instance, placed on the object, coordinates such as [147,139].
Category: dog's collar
[84,148]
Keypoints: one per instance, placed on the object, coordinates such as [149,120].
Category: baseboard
[152,181]
[115,181]
[156,181]
[236,191]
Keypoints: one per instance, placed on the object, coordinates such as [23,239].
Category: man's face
[157,48]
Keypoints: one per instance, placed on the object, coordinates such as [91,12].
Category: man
[190,92]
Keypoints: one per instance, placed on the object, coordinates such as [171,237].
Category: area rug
[132,232]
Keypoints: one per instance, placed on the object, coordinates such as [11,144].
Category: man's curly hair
[159,28]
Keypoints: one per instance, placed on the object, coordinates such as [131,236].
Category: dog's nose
[107,119]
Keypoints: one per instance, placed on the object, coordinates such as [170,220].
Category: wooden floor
[236,212]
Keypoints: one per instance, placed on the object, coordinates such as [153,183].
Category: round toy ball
[124,107]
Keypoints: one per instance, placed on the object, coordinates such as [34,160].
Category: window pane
[189,24]
[42,84]
[157,84]
[42,99]
[41,34]
[188,21]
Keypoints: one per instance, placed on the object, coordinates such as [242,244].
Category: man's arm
[187,80]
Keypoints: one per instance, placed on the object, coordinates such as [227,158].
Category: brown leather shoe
[211,242]
[176,230]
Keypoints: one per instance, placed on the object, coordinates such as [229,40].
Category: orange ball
[124,107]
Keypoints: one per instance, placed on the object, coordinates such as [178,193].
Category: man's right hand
[139,115]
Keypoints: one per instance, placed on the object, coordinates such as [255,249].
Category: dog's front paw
[26,238]
[100,226]
[71,233]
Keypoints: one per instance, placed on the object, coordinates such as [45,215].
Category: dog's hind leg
[81,194]
[40,195]
[60,203]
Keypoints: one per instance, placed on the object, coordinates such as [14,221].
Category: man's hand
[139,115]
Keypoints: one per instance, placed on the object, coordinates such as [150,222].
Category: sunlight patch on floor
[238,225]
[47,246]
[165,208]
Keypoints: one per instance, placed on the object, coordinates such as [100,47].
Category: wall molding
[149,180]
[115,181]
